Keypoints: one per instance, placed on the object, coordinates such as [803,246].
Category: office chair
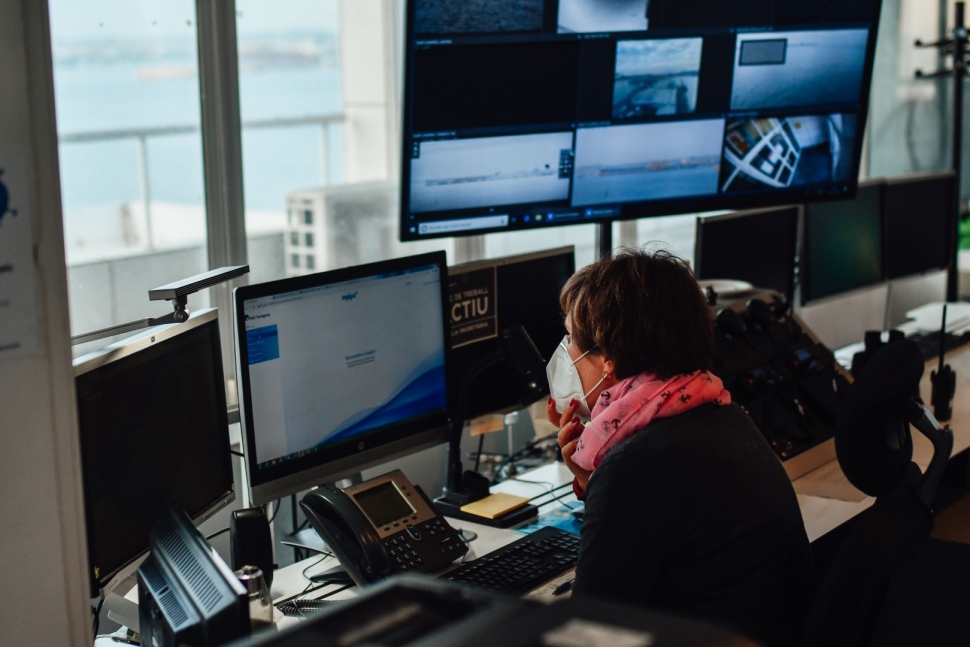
[874,449]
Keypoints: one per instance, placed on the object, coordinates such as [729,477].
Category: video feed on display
[647,161]
[464,173]
[656,77]
[798,68]
[477,16]
[584,16]
[674,106]
[788,152]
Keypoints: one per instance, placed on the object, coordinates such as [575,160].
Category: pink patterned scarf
[630,405]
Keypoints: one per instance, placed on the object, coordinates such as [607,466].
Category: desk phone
[382,527]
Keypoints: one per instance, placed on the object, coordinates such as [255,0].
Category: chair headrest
[872,436]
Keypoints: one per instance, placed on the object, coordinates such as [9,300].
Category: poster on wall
[18,307]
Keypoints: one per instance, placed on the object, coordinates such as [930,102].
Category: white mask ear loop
[586,395]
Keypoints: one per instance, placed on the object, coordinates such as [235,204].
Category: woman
[687,507]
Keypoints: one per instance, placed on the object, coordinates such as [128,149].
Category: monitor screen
[544,113]
[917,214]
[341,370]
[153,425]
[843,245]
[488,297]
[758,247]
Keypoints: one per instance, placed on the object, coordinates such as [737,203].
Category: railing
[142,135]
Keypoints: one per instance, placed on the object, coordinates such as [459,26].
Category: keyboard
[929,343]
[522,565]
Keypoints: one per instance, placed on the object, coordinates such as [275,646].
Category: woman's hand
[570,428]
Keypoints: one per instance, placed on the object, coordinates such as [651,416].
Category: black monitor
[187,595]
[919,221]
[758,247]
[843,245]
[538,113]
[339,371]
[488,297]
[153,425]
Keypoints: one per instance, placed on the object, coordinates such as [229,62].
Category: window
[128,120]
[308,239]
[290,107]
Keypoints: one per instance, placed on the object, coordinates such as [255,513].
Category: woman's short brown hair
[643,310]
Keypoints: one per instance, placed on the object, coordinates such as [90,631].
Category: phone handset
[347,533]
[382,526]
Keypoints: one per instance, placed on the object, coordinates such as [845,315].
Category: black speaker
[250,542]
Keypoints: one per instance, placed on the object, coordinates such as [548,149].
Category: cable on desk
[552,491]
[217,533]
[313,586]
[276,510]
[326,555]
[97,616]
[518,454]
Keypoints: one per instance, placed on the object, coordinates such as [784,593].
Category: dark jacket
[696,515]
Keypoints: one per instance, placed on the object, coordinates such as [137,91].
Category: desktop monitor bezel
[786,211]
[132,346]
[807,297]
[475,407]
[891,255]
[293,476]
[463,218]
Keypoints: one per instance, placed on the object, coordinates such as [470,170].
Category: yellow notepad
[495,505]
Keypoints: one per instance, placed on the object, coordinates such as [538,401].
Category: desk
[550,486]
[822,514]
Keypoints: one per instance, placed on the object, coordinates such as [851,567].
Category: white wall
[42,564]
[368,53]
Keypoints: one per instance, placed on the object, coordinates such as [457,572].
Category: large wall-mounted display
[551,112]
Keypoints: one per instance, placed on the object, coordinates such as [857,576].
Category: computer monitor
[919,221]
[339,371]
[758,247]
[153,425]
[490,296]
[187,595]
[537,113]
[843,245]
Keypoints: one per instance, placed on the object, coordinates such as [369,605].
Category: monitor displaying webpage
[329,364]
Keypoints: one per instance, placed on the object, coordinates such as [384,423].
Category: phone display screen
[383,504]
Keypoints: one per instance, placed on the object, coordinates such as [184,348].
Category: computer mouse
[579,514]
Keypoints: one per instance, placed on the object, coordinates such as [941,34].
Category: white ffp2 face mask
[565,384]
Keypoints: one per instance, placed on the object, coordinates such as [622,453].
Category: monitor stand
[308,540]
[122,603]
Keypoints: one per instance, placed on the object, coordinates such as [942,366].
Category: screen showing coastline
[585,111]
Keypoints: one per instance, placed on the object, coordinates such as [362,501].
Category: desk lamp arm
[177,294]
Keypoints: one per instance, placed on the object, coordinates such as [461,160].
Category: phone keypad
[426,547]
